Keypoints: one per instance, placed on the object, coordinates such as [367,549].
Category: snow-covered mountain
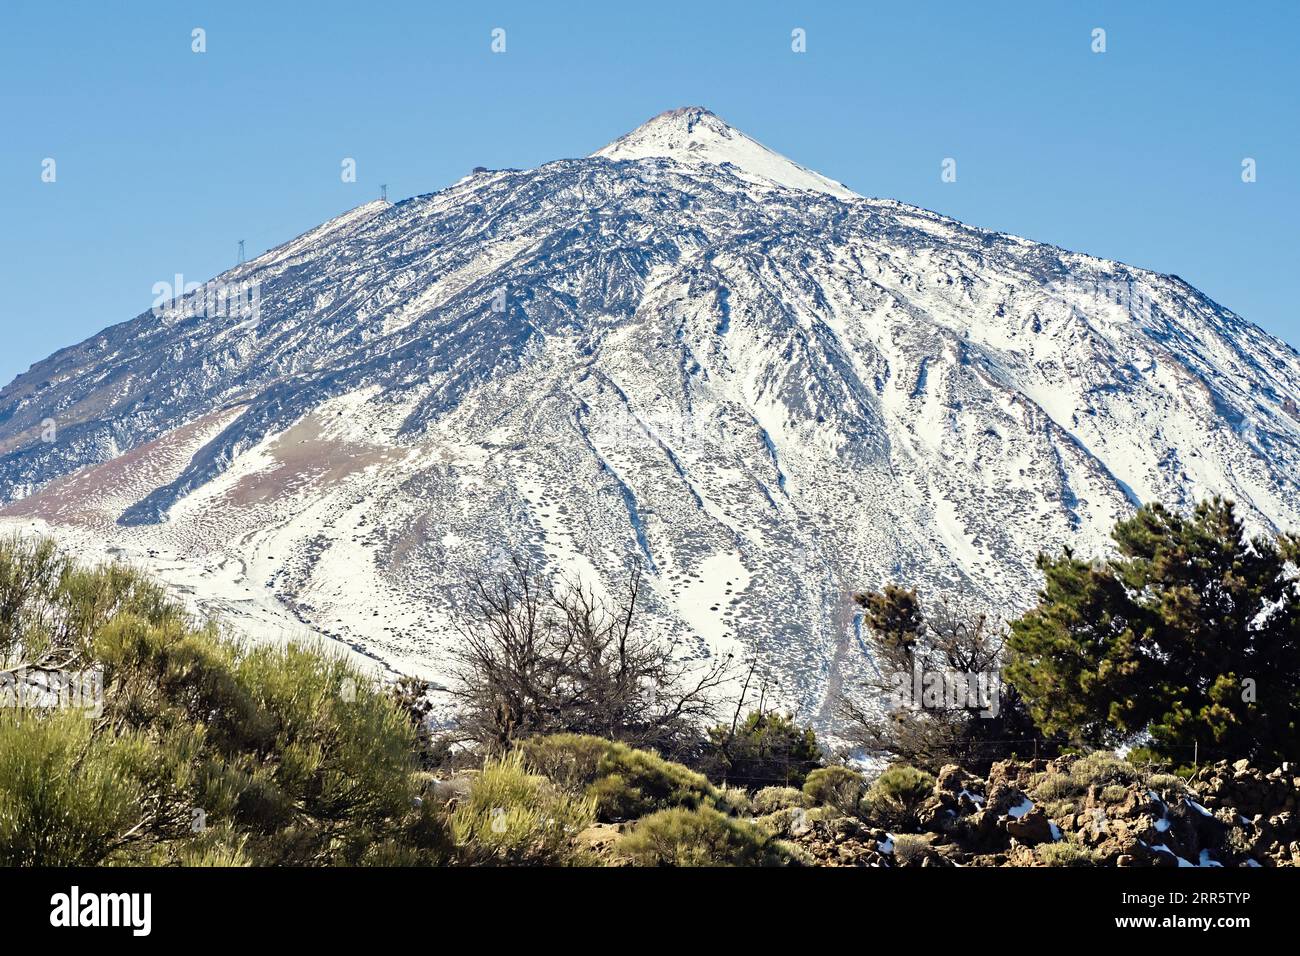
[684,352]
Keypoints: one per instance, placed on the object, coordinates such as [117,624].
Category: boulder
[953,779]
[1002,797]
[1031,829]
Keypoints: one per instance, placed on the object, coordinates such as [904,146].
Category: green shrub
[285,755]
[625,783]
[1055,786]
[570,761]
[51,607]
[910,850]
[837,787]
[511,816]
[345,751]
[1113,793]
[67,797]
[767,749]
[771,799]
[1167,784]
[1055,809]
[1065,853]
[895,797]
[633,783]
[699,837]
[1101,768]
[794,821]
[779,823]
[217,847]
[735,800]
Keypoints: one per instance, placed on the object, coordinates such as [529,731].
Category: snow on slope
[684,354]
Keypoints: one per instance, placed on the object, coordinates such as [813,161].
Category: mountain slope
[683,352]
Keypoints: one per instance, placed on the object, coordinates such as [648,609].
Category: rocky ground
[1073,812]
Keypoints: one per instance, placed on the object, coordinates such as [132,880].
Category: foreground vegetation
[581,742]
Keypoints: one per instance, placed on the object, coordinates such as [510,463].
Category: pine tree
[906,636]
[895,615]
[1191,635]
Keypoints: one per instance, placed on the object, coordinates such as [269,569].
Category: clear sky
[166,157]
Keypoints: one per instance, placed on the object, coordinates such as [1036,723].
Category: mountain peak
[695,136]
[686,119]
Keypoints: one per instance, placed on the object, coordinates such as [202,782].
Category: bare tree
[540,656]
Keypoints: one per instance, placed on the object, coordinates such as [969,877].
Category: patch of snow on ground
[703,597]
[1020,809]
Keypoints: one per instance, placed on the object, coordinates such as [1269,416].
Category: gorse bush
[67,798]
[907,785]
[1055,786]
[794,821]
[735,800]
[910,850]
[571,761]
[217,847]
[300,750]
[1064,788]
[1113,793]
[700,837]
[636,782]
[51,609]
[1101,769]
[1167,784]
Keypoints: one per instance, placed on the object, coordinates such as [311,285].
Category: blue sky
[165,158]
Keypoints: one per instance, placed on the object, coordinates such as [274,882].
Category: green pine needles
[1188,640]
